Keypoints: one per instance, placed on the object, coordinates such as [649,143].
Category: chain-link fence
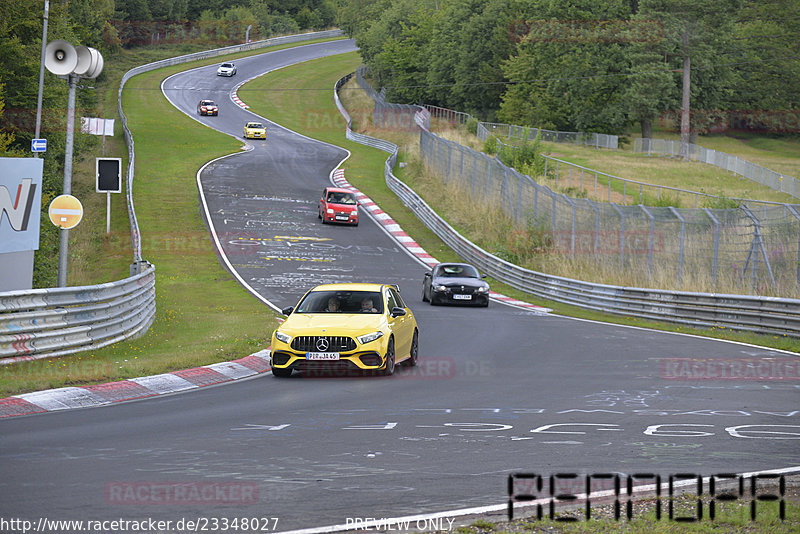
[604,187]
[509,131]
[757,173]
[734,249]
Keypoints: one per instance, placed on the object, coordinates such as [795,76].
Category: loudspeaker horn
[60,58]
[90,62]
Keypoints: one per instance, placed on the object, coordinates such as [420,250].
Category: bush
[472,126]
[490,145]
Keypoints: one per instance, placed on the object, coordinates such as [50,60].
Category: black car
[459,283]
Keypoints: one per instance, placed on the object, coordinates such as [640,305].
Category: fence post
[621,234]
[683,236]
[545,166]
[650,239]
[488,176]
[715,257]
[758,243]
[797,216]
[596,226]
[554,215]
[474,172]
[572,231]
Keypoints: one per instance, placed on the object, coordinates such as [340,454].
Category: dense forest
[590,65]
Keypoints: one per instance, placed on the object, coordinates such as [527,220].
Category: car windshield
[341,198]
[254,125]
[460,271]
[206,103]
[341,302]
[227,65]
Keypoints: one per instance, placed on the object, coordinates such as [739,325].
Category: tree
[569,68]
[699,32]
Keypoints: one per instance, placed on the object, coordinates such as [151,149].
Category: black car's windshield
[457,271]
[341,302]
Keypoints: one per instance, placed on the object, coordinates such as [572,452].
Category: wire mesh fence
[736,250]
[757,173]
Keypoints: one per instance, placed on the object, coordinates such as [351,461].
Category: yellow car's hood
[332,324]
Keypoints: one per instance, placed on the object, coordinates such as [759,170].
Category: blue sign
[38,145]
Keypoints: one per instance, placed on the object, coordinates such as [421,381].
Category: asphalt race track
[498,390]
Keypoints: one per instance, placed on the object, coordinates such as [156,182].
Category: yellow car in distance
[351,327]
[255,130]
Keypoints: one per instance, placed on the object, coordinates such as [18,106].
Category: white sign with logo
[20,203]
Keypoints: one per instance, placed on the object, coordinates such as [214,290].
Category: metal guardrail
[46,323]
[763,315]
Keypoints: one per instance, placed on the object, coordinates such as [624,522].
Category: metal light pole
[41,74]
[63,246]
[71,63]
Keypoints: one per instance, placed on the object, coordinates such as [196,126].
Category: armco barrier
[763,315]
[46,323]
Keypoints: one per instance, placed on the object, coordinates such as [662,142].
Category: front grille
[461,290]
[335,343]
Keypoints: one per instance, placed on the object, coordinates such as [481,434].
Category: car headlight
[439,288]
[482,290]
[367,338]
[280,336]
[330,210]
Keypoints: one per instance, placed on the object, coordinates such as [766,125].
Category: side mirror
[428,274]
[483,276]
[398,311]
[288,310]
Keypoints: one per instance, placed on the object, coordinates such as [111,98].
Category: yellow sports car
[363,327]
[255,130]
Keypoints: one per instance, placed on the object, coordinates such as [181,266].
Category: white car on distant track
[226,69]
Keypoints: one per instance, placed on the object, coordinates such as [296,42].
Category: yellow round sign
[66,211]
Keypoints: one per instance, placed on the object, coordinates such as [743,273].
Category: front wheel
[388,368]
[414,353]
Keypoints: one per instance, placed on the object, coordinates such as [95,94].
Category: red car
[338,206]
[207,107]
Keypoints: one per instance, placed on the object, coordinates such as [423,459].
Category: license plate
[342,218]
[462,297]
[322,356]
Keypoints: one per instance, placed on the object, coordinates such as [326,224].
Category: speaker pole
[64,242]
[41,74]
